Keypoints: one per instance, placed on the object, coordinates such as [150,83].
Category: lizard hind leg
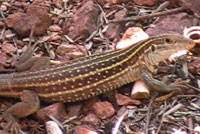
[29,105]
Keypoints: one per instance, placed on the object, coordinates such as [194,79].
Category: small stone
[36,16]
[4,58]
[54,28]
[124,100]
[91,119]
[56,110]
[13,18]
[64,48]
[82,49]
[58,3]
[194,67]
[169,24]
[193,5]
[20,43]
[1,24]
[56,37]
[8,48]
[145,2]
[103,109]
[76,54]
[114,29]
[84,21]
[73,110]
[140,90]
[3,8]
[84,129]
[52,128]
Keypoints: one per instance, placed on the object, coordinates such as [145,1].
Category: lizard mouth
[177,54]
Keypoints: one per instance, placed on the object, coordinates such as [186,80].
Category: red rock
[169,24]
[82,49]
[91,119]
[90,102]
[193,5]
[84,129]
[84,21]
[13,18]
[103,109]
[1,24]
[124,100]
[4,58]
[105,3]
[145,2]
[3,8]
[65,48]
[54,28]
[76,54]
[114,29]
[56,37]
[45,5]
[20,43]
[194,67]
[56,110]
[73,110]
[57,3]
[21,4]
[36,16]
[8,48]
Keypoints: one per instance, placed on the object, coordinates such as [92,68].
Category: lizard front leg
[161,86]
[30,104]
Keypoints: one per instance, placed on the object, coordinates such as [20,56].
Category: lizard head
[162,47]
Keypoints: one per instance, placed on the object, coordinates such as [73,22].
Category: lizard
[90,76]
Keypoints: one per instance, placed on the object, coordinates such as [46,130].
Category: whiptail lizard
[90,76]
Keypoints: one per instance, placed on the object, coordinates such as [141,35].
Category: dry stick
[149,113]
[137,18]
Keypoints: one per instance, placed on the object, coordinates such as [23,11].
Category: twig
[149,113]
[137,18]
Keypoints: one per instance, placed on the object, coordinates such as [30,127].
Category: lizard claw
[178,86]
[13,127]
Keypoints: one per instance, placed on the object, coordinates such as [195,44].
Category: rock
[193,5]
[1,24]
[76,54]
[73,110]
[84,129]
[36,16]
[58,3]
[52,128]
[103,109]
[13,18]
[55,28]
[4,58]
[145,2]
[91,119]
[56,37]
[3,8]
[169,24]
[125,100]
[8,48]
[194,67]
[84,21]
[114,29]
[140,91]
[56,110]
[65,48]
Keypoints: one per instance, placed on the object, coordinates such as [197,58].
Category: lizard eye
[153,48]
[168,41]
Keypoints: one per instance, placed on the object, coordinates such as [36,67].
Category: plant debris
[65,30]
